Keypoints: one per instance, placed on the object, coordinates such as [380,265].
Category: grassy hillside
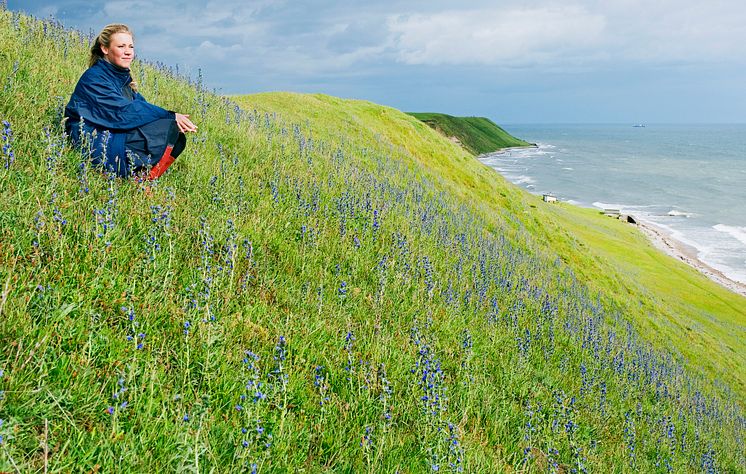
[325,285]
[477,134]
[675,306]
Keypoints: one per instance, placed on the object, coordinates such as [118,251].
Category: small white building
[549,198]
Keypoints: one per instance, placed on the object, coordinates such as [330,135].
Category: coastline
[502,151]
[659,238]
[680,251]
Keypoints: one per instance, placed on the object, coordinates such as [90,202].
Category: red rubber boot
[163,164]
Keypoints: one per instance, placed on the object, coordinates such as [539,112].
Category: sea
[688,180]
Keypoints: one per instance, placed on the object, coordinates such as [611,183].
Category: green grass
[478,135]
[337,275]
[676,305]
[673,304]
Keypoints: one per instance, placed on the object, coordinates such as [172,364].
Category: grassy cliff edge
[478,135]
[665,297]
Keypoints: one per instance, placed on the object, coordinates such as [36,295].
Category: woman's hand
[185,125]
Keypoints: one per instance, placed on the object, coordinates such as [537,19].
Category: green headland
[329,285]
[477,135]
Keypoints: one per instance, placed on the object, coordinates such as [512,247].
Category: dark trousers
[145,145]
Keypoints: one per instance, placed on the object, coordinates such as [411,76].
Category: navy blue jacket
[103,101]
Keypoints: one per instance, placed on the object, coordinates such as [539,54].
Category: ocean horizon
[687,179]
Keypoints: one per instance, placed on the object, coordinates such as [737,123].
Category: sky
[514,61]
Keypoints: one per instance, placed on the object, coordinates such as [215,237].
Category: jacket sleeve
[110,109]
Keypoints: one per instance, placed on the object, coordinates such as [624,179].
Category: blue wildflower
[7,150]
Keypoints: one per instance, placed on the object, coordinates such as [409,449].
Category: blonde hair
[104,39]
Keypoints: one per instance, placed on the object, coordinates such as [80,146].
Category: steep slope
[477,134]
[664,297]
[316,285]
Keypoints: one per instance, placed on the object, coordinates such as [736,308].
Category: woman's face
[121,50]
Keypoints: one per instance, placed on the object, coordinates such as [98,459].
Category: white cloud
[547,33]
[496,35]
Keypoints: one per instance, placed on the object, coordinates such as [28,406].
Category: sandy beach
[688,255]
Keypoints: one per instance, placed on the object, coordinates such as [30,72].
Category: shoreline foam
[680,251]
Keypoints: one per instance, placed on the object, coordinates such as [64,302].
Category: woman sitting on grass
[126,134]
